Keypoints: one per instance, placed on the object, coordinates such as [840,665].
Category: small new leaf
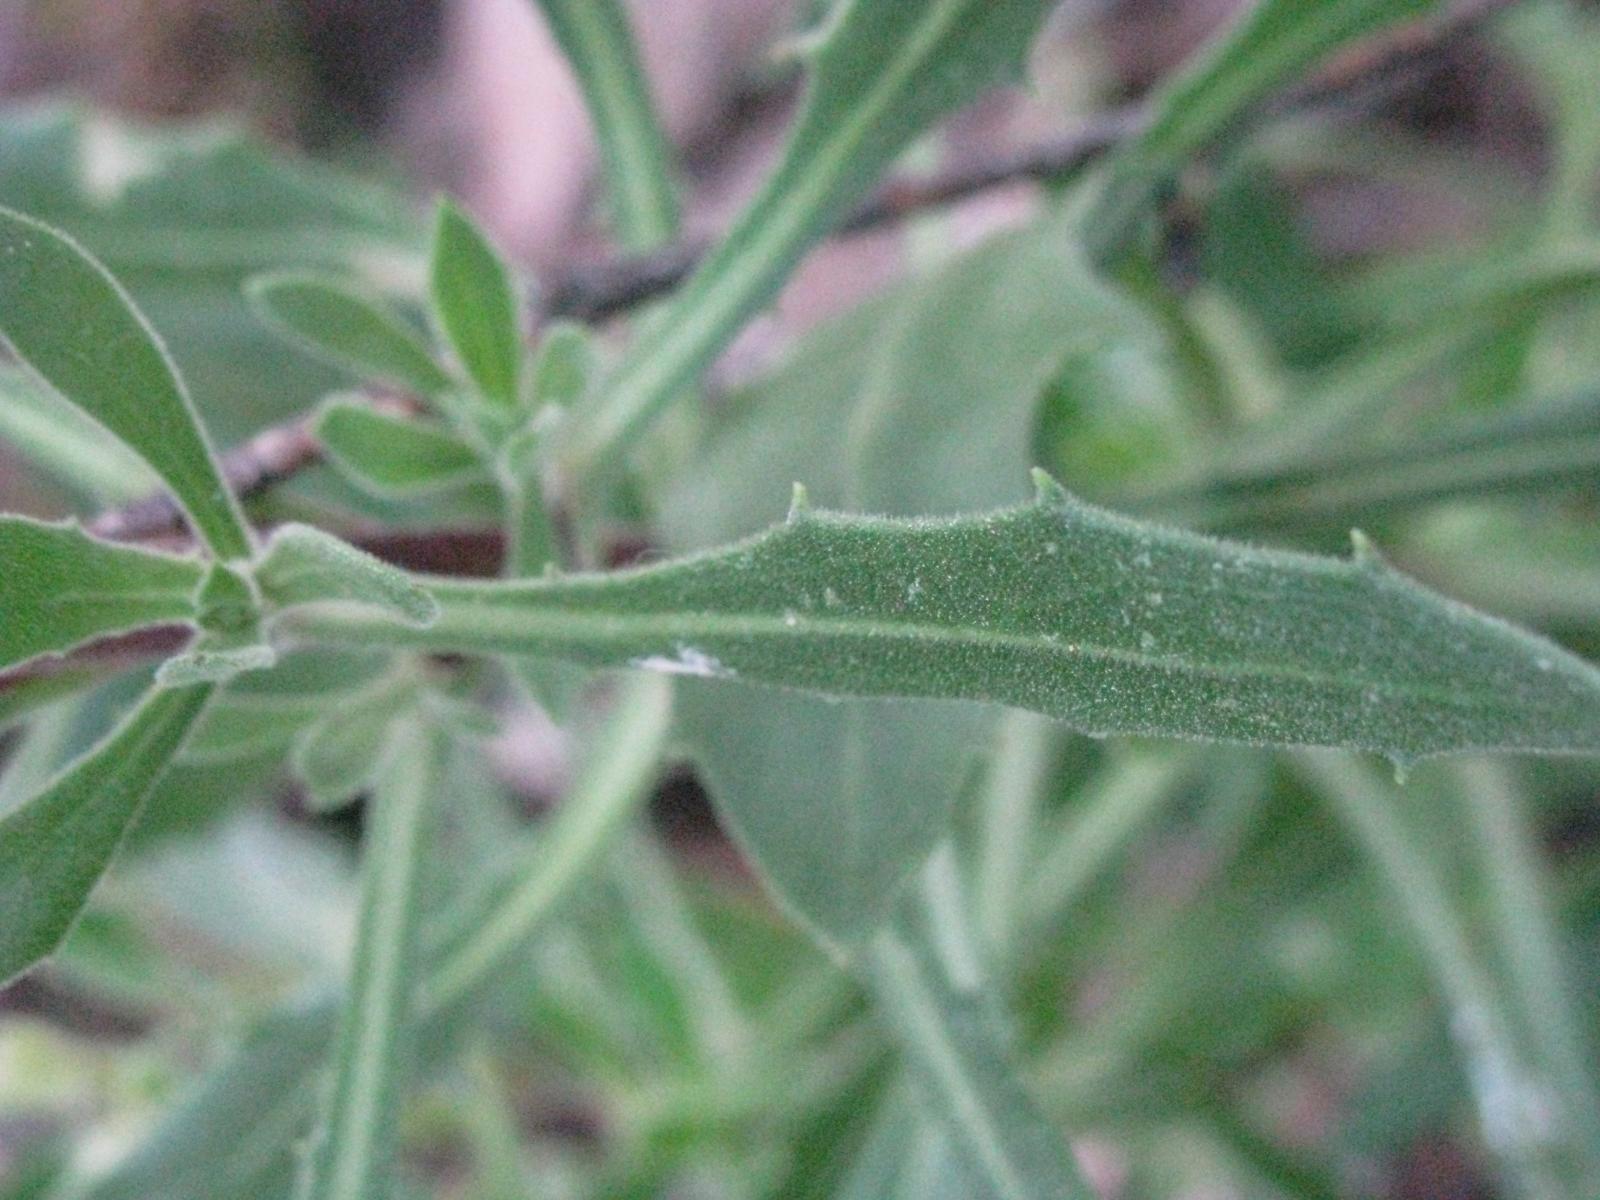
[72,323]
[475,305]
[392,456]
[335,322]
[562,369]
[55,848]
[59,587]
[303,565]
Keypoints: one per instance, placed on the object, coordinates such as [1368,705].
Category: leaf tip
[799,503]
[1047,490]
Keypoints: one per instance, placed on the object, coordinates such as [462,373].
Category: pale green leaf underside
[881,74]
[55,848]
[59,587]
[1110,624]
[835,802]
[69,321]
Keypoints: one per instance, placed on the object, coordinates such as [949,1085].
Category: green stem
[354,1146]
[1509,1099]
[923,970]
[1530,947]
[595,37]
[621,767]
[1024,751]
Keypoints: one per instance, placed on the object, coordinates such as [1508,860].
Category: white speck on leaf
[688,661]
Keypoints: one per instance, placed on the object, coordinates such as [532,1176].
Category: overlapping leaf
[68,320]
[1110,624]
[59,587]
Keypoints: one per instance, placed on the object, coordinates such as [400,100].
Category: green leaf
[1273,42]
[475,305]
[302,565]
[1539,447]
[562,370]
[881,74]
[234,1134]
[834,819]
[339,756]
[353,1147]
[56,846]
[58,439]
[902,406]
[595,37]
[332,320]
[1110,624]
[393,456]
[68,320]
[182,212]
[60,588]
[620,766]
[925,974]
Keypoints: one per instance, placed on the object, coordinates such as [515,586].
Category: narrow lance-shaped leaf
[394,456]
[336,323]
[595,37]
[59,587]
[475,305]
[1272,42]
[73,324]
[353,1148]
[925,974]
[238,1128]
[1110,624]
[55,848]
[882,73]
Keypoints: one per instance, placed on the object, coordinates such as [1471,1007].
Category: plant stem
[1507,1090]
[622,764]
[1529,938]
[354,1146]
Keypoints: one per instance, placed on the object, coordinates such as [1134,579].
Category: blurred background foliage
[1380,308]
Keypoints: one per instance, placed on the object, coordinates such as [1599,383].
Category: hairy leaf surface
[59,587]
[475,305]
[334,321]
[1113,625]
